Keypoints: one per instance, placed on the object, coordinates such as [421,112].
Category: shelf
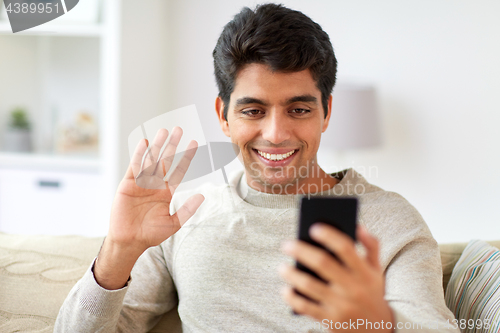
[48,162]
[54,29]
[58,69]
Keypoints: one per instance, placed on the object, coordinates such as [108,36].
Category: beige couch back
[37,272]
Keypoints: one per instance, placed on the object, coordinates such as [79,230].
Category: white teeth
[275,157]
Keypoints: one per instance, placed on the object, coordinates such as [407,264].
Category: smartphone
[339,212]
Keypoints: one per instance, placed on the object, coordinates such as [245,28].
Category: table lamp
[354,123]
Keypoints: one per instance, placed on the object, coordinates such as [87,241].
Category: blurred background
[79,85]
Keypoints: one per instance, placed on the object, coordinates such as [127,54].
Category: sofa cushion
[36,274]
[473,292]
[450,253]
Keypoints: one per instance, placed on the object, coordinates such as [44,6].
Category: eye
[300,111]
[252,113]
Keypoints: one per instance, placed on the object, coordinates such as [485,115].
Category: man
[218,261]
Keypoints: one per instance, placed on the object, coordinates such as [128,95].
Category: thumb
[188,209]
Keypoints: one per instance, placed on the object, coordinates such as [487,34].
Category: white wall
[434,63]
[144,66]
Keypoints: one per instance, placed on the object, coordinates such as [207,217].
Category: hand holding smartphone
[340,213]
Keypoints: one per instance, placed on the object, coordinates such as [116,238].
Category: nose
[275,128]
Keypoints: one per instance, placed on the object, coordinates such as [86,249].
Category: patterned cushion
[473,292]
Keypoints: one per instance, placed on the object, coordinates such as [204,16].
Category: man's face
[276,119]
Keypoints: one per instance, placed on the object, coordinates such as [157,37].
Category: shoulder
[378,206]
[389,217]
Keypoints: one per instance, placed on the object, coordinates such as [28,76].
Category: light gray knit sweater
[221,267]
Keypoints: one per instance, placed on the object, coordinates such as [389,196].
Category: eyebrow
[302,98]
[249,100]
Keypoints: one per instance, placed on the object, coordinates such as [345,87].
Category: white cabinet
[55,71]
[55,203]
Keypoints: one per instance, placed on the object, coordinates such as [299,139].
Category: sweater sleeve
[137,307]
[89,307]
[410,257]
[151,293]
[414,290]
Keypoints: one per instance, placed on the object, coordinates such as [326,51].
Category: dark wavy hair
[286,40]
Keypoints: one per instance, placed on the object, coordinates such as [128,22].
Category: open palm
[140,215]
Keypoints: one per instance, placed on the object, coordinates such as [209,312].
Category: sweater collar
[284,201]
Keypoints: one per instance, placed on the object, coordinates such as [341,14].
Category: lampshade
[354,122]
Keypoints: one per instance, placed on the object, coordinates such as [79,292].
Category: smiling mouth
[275,157]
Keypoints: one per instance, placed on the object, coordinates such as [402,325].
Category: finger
[339,243]
[134,167]
[371,245]
[167,193]
[301,305]
[169,151]
[158,142]
[188,209]
[183,165]
[305,283]
[163,168]
[318,260]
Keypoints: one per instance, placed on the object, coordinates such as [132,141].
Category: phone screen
[340,212]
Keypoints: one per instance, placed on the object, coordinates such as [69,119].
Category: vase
[17,140]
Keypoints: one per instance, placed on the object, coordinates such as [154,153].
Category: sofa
[37,272]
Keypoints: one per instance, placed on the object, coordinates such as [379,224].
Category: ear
[219,109]
[327,118]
